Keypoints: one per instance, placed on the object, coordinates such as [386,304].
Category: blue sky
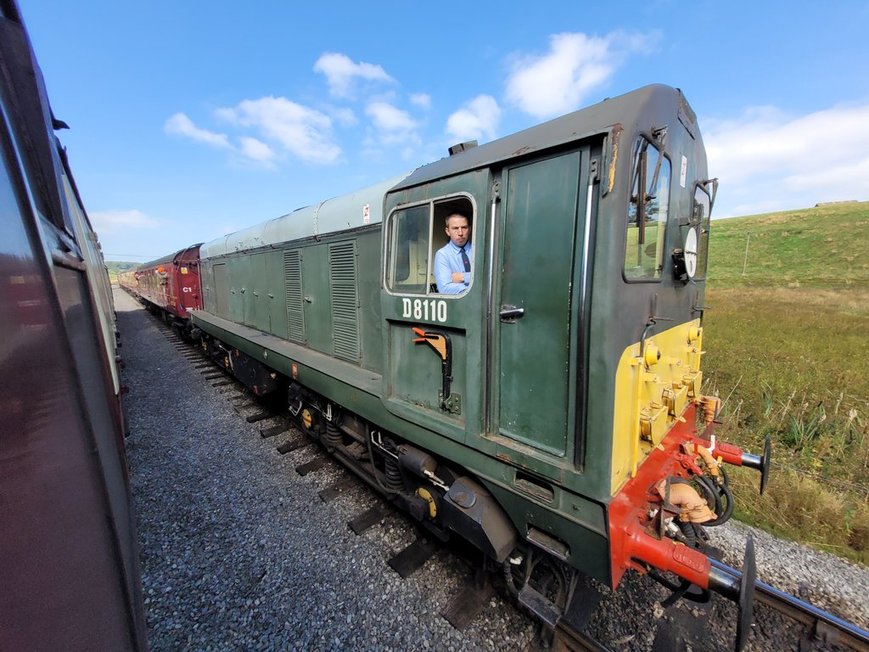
[191,119]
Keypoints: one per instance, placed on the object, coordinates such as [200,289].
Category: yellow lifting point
[651,354]
[425,494]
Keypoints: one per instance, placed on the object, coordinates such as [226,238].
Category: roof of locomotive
[365,206]
[623,110]
[349,211]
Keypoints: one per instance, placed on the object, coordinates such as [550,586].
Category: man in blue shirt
[452,263]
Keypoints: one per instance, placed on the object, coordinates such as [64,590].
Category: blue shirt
[448,259]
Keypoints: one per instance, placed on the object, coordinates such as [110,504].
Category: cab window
[409,236]
[647,214]
[414,235]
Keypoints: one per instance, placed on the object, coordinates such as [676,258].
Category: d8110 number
[425,309]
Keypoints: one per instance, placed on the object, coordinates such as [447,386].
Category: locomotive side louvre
[295,298]
[315,292]
[344,297]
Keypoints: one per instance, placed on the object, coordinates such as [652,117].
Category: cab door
[432,374]
[536,366]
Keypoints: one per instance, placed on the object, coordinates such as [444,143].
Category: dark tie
[465,261]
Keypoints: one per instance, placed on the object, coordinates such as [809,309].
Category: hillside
[822,247]
[786,334]
[116,267]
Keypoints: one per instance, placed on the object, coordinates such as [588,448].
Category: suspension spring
[332,436]
[393,475]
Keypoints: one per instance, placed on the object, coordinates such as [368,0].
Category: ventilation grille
[345,300]
[295,306]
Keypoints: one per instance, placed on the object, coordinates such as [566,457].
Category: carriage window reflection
[647,214]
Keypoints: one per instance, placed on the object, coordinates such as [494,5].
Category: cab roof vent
[461,147]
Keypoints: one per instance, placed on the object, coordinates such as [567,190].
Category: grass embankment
[114,268]
[787,341]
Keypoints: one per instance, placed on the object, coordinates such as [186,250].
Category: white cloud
[179,124]
[393,125]
[478,119]
[341,73]
[106,222]
[304,132]
[256,150]
[344,117]
[767,160]
[557,82]
[422,100]
[389,118]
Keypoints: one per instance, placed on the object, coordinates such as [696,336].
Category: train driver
[452,263]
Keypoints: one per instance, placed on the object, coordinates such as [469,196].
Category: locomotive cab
[573,362]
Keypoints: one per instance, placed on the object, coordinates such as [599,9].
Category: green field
[787,349]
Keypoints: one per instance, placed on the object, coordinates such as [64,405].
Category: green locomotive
[552,406]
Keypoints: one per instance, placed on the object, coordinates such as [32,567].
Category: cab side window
[409,246]
[647,214]
[414,235]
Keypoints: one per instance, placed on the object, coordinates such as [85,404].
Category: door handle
[510,314]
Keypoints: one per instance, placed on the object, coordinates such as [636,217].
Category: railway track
[473,594]
[826,628]
[568,639]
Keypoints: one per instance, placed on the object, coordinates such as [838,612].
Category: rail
[567,639]
[830,628]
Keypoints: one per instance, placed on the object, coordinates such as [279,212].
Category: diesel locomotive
[553,410]
[69,568]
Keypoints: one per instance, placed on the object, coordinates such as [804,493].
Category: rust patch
[615,140]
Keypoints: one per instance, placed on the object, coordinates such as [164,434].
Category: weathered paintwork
[532,409]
